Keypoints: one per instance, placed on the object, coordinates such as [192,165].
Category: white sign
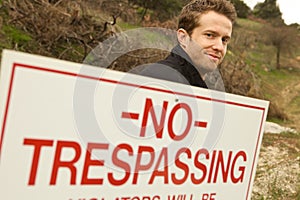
[75,132]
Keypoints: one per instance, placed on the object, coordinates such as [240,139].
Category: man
[204,30]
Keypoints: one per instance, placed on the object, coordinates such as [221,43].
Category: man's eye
[225,40]
[209,35]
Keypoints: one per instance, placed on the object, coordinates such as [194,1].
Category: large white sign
[76,132]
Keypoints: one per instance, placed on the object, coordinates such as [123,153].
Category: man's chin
[211,66]
[207,69]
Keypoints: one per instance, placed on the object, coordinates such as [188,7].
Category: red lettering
[181,165]
[205,196]
[200,166]
[164,173]
[188,125]
[211,167]
[138,165]
[157,127]
[89,162]
[241,169]
[37,144]
[220,161]
[67,164]
[208,196]
[121,164]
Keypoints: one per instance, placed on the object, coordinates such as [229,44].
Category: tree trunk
[278,57]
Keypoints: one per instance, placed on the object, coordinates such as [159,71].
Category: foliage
[16,36]
[267,10]
[62,29]
[282,38]
[235,66]
[241,8]
[163,9]
[250,45]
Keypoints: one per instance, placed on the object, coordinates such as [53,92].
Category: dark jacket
[177,67]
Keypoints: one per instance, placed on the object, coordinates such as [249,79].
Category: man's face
[207,45]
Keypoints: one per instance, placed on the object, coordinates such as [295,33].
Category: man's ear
[182,37]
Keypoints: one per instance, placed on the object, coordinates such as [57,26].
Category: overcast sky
[290,9]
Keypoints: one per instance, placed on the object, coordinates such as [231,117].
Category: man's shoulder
[161,70]
[174,61]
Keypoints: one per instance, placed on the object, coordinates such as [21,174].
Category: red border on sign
[15,65]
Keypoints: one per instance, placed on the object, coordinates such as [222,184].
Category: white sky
[290,9]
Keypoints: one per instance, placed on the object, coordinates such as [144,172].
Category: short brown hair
[188,18]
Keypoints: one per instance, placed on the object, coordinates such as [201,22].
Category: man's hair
[188,18]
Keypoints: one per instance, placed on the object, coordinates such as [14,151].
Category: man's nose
[218,45]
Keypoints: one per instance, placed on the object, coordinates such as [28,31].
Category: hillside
[279,86]
[70,31]
[278,173]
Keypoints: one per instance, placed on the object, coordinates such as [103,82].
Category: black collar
[179,60]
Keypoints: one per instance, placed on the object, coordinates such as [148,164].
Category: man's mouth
[214,57]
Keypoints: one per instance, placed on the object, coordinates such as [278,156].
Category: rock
[271,127]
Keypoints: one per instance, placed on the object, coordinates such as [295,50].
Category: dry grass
[278,171]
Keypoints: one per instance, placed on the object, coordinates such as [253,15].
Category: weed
[275,192]
[16,36]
